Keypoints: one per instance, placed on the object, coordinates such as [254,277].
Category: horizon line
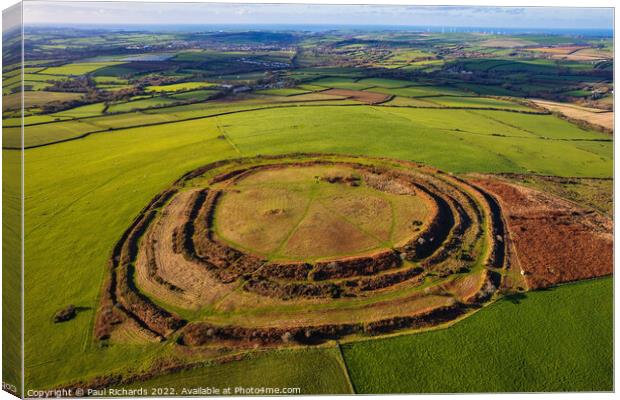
[312,24]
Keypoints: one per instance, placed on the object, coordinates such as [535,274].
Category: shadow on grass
[515,298]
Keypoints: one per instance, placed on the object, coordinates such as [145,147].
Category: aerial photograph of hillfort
[296,199]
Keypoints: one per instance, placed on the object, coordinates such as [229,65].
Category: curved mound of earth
[266,251]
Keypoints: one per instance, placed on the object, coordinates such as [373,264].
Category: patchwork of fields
[298,166]
[117,167]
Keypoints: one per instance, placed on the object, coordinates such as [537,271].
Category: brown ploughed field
[359,95]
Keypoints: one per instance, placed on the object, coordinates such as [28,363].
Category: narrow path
[345,368]
[221,130]
[312,195]
[356,226]
[499,121]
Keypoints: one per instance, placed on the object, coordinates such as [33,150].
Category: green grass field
[113,70]
[428,66]
[110,80]
[283,91]
[486,141]
[555,340]
[311,88]
[341,83]
[36,99]
[178,87]
[478,147]
[114,168]
[77,68]
[194,95]
[385,83]
[422,91]
[488,90]
[400,101]
[41,77]
[36,134]
[11,256]
[32,119]
[90,170]
[277,369]
[481,102]
[35,85]
[88,110]
[113,87]
[141,104]
[127,167]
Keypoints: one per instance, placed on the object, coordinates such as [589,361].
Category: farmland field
[592,116]
[421,91]
[359,211]
[478,102]
[277,369]
[518,330]
[36,99]
[140,104]
[185,86]
[199,95]
[76,69]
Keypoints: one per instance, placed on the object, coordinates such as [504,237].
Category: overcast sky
[192,13]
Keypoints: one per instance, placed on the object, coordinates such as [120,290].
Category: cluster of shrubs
[202,333]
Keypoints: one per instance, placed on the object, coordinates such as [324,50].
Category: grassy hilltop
[106,130]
